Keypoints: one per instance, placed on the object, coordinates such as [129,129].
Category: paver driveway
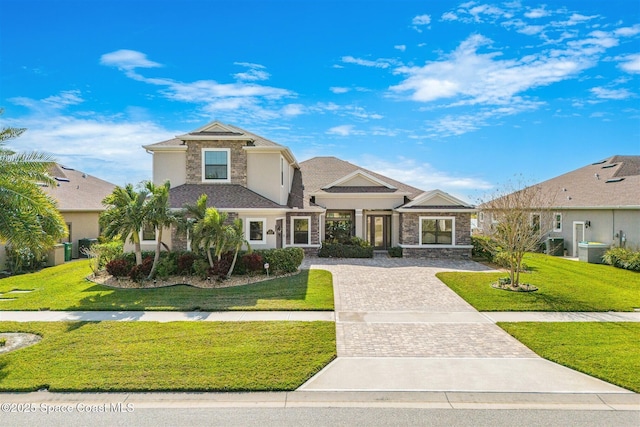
[398,327]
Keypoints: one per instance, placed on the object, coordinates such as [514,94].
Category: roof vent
[61,179]
[614,180]
[609,166]
[84,175]
[597,176]
[599,163]
[66,168]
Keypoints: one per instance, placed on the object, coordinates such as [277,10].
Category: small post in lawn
[266,267]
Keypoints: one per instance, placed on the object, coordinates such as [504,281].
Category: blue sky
[460,96]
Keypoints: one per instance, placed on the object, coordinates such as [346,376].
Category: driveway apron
[398,327]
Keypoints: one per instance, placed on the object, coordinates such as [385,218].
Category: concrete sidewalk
[166,316]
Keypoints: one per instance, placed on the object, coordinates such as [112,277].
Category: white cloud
[422,175]
[337,89]
[127,60]
[420,21]
[628,31]
[400,47]
[293,110]
[539,12]
[378,63]
[630,63]
[604,93]
[254,73]
[449,16]
[344,130]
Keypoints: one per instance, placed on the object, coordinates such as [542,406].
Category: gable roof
[359,177]
[220,196]
[437,199]
[610,183]
[325,174]
[76,190]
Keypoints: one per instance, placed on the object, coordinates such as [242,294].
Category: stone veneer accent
[179,240]
[410,229]
[315,227]
[238,160]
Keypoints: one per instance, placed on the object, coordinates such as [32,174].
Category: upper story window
[216,165]
[437,231]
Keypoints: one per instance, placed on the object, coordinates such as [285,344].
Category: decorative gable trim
[435,198]
[362,174]
[215,131]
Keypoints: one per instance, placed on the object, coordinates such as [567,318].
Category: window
[148,232]
[281,171]
[437,231]
[535,222]
[557,222]
[215,165]
[338,226]
[481,216]
[301,230]
[256,230]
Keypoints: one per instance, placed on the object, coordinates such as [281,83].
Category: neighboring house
[597,203]
[283,203]
[79,200]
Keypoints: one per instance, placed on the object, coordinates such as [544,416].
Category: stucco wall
[170,166]
[359,202]
[84,225]
[263,176]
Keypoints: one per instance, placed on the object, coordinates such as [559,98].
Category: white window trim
[224,181]
[555,222]
[293,219]
[431,245]
[155,237]
[481,216]
[247,230]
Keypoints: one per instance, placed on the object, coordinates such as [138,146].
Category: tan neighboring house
[599,202]
[79,199]
[283,203]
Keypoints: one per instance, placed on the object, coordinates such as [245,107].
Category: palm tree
[125,216]
[159,215]
[209,233]
[29,218]
[234,241]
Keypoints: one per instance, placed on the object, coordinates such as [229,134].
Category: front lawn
[145,356]
[564,285]
[64,287]
[609,351]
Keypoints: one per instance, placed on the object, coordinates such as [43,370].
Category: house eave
[442,209]
[359,195]
[166,148]
[280,150]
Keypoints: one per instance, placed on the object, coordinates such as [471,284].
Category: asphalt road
[301,417]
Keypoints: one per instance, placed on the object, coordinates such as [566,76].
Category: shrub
[248,263]
[167,266]
[395,252]
[185,263]
[354,248]
[3,341]
[140,272]
[282,261]
[201,268]
[21,260]
[119,267]
[480,247]
[623,258]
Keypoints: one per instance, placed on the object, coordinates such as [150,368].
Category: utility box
[554,246]
[85,244]
[591,252]
[56,255]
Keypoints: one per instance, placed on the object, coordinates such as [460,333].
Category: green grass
[144,356]
[564,285]
[609,351]
[64,287]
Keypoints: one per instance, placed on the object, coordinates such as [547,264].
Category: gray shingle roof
[588,186]
[319,172]
[77,191]
[220,196]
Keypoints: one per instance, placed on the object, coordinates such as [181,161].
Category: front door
[378,231]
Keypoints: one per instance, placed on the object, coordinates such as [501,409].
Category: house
[283,203]
[599,202]
[79,200]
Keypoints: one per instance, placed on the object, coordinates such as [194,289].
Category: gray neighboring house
[599,202]
[283,203]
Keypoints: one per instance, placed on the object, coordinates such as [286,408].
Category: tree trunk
[233,263]
[156,258]
[137,249]
[209,257]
